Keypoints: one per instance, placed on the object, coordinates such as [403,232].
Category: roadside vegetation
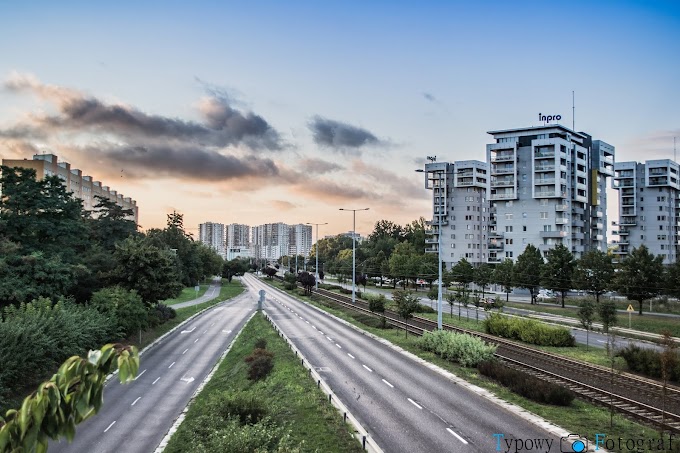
[262,399]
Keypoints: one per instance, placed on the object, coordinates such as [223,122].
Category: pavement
[212,292]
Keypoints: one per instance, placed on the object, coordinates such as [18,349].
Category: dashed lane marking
[338,345]
[171,365]
[139,375]
[155,381]
[351,355]
[457,436]
[135,401]
[387,383]
[415,404]
[185,351]
[109,427]
[367,368]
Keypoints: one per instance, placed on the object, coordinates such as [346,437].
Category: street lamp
[316,282]
[354,253]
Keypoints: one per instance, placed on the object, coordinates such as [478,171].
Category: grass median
[293,414]
[581,417]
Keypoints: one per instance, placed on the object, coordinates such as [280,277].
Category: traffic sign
[630,307]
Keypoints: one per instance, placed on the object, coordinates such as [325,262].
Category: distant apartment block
[300,239]
[649,196]
[543,185]
[212,235]
[82,187]
[238,235]
[270,241]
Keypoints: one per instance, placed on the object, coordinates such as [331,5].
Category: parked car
[545,294]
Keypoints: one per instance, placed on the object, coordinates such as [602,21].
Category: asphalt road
[212,292]
[405,406]
[136,416]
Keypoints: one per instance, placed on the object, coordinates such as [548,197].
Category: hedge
[528,330]
[457,347]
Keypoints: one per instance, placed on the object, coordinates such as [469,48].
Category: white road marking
[195,340]
[189,331]
[135,401]
[185,351]
[307,322]
[205,332]
[188,380]
[155,381]
[171,365]
[457,436]
[329,338]
[338,345]
[387,383]
[314,327]
[212,324]
[351,355]
[600,341]
[321,332]
[367,368]
[139,375]
[109,427]
[415,404]
[226,331]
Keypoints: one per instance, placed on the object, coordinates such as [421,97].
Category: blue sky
[402,80]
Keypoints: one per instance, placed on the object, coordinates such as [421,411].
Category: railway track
[634,396]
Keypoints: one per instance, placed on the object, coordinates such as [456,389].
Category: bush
[527,385]
[328,286]
[260,364]
[457,347]
[424,309]
[247,408]
[125,308]
[260,343]
[528,330]
[648,362]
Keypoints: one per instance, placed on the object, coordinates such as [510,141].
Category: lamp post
[354,252]
[316,281]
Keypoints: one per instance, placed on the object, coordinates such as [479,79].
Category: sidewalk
[211,293]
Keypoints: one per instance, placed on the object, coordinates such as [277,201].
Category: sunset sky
[257,112]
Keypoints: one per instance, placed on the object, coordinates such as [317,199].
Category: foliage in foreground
[528,330]
[457,347]
[648,362]
[75,393]
[527,385]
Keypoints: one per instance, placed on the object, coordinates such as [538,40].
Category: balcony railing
[544,168]
[502,196]
[503,169]
[502,182]
[544,154]
[497,157]
[545,193]
[561,207]
[544,181]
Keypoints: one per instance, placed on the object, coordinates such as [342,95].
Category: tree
[270,272]
[124,307]
[672,279]
[237,266]
[640,276]
[482,277]
[111,223]
[669,360]
[407,304]
[71,396]
[149,270]
[527,270]
[463,273]
[289,281]
[503,275]
[308,281]
[558,271]
[451,298]
[594,273]
[586,314]
[607,312]
[401,264]
[377,305]
[433,294]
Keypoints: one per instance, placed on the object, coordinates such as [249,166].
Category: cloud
[429,97]
[282,205]
[341,136]
[318,166]
[224,125]
[328,190]
[398,187]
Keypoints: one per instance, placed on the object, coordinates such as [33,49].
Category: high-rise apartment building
[547,188]
[300,239]
[460,210]
[270,241]
[543,185]
[212,235]
[649,194]
[82,187]
[238,235]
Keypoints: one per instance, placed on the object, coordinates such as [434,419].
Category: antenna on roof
[674,151]
[573,112]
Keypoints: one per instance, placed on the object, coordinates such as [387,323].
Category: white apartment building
[212,235]
[270,241]
[649,196]
[82,186]
[547,188]
[238,235]
[460,210]
[300,239]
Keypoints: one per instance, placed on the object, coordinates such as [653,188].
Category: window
[508,204]
[524,228]
[453,246]
[660,208]
[544,202]
[508,241]
[642,237]
[508,216]
[642,198]
[453,227]
[661,227]
[508,254]
[508,229]
[524,215]
[544,215]
[524,240]
[453,236]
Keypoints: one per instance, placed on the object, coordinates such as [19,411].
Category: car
[545,294]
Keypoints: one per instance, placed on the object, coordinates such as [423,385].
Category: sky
[259,112]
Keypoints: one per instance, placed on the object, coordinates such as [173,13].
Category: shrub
[260,343]
[246,408]
[125,308]
[424,309]
[457,347]
[528,330]
[648,362]
[260,364]
[527,385]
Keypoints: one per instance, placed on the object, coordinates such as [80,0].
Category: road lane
[136,416]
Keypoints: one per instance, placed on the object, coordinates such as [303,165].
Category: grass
[187,294]
[227,291]
[299,412]
[581,417]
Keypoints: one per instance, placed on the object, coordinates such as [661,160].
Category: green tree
[503,275]
[149,270]
[401,263]
[558,271]
[482,277]
[289,281]
[407,304]
[71,396]
[672,279]
[640,276]
[433,294]
[237,266]
[377,305]
[124,307]
[527,270]
[463,273]
[308,281]
[270,272]
[586,314]
[607,312]
[111,223]
[594,273]
[451,299]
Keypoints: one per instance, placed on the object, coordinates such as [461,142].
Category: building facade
[212,235]
[83,187]
[270,241]
[649,194]
[300,239]
[238,235]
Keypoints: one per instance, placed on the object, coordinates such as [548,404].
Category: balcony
[544,181]
[502,169]
[621,232]
[496,246]
[465,182]
[495,234]
[627,201]
[658,181]
[544,154]
[544,193]
[503,196]
[552,234]
[502,157]
[577,249]
[624,183]
[561,220]
[578,235]
[577,223]
[627,221]
[431,250]
[495,259]
[561,207]
[431,240]
[544,168]
[505,182]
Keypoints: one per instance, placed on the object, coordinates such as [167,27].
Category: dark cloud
[429,97]
[339,135]
[318,166]
[326,190]
[224,125]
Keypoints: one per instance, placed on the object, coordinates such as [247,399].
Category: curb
[182,415]
[360,433]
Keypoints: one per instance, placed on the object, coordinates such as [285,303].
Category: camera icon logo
[573,443]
